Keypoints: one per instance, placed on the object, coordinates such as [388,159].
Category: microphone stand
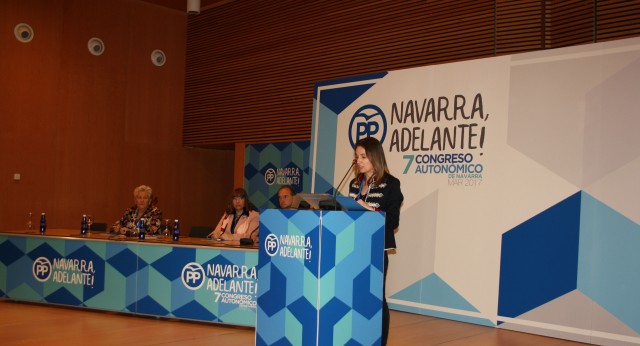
[332,204]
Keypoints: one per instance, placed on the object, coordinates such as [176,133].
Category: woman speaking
[376,189]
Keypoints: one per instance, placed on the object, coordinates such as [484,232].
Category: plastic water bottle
[176,230]
[83,225]
[43,223]
[143,229]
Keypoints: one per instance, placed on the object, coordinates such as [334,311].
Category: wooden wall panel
[569,23]
[519,26]
[271,55]
[84,130]
[251,67]
[617,19]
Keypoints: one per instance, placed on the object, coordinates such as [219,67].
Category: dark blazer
[386,197]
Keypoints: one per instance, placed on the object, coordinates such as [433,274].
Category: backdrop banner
[269,166]
[520,175]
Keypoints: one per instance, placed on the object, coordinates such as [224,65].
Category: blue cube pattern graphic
[540,259]
[261,157]
[126,276]
[573,245]
[293,292]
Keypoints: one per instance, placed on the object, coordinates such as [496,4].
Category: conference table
[192,278]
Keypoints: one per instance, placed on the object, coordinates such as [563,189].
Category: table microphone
[249,240]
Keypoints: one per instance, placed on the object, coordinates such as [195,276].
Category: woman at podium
[376,189]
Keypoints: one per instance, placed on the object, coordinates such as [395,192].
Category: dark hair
[375,154]
[248,206]
[293,192]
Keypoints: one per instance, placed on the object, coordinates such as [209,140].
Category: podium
[320,277]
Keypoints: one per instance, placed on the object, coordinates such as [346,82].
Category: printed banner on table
[198,283]
[205,284]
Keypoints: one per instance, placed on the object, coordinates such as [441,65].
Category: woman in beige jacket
[240,219]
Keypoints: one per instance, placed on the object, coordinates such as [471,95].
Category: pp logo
[367,121]
[271,245]
[193,276]
[270,176]
[41,269]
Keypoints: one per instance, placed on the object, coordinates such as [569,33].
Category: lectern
[320,276]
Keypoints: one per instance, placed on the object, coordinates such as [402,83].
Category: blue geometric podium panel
[321,275]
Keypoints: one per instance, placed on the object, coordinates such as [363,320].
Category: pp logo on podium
[41,269]
[367,121]
[271,245]
[193,276]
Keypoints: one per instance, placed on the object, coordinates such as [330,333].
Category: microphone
[335,192]
[332,204]
[248,241]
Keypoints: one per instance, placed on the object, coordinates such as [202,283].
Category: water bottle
[176,230]
[43,223]
[143,229]
[83,225]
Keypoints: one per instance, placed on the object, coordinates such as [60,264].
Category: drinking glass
[130,229]
[166,228]
[89,223]
[29,223]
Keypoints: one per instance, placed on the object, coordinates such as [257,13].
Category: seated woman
[240,219]
[143,208]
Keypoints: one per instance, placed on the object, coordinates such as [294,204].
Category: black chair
[200,231]
[98,226]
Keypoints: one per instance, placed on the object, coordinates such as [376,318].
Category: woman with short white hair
[142,209]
